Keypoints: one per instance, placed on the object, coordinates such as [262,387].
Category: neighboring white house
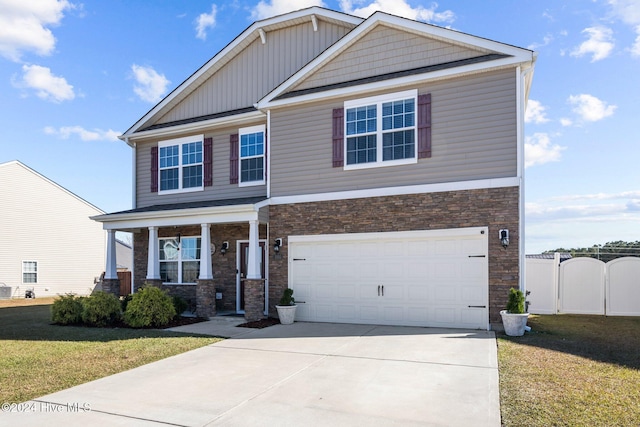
[49,243]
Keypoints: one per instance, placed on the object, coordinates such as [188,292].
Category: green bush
[67,310]
[180,305]
[515,305]
[149,307]
[124,301]
[101,309]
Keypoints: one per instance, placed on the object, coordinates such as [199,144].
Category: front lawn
[571,370]
[38,358]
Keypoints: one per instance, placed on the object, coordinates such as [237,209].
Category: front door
[244,259]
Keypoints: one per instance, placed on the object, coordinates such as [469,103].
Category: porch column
[153,262]
[253,263]
[205,253]
[111,270]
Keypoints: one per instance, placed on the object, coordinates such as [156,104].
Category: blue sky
[75,75]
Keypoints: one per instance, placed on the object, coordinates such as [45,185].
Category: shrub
[515,305]
[149,307]
[180,305]
[67,310]
[287,297]
[101,309]
[124,301]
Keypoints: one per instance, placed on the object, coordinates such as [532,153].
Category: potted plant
[514,318]
[287,307]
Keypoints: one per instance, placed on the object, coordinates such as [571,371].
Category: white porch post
[253,263]
[205,253]
[111,269]
[153,262]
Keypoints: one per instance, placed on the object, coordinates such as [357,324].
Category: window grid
[29,272]
[181,165]
[252,156]
[180,260]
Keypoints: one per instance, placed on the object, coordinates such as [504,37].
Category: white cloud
[627,10]
[267,9]
[399,8]
[205,21]
[599,44]
[66,132]
[538,150]
[635,48]
[535,113]
[47,86]
[590,108]
[566,122]
[150,86]
[24,26]
[546,40]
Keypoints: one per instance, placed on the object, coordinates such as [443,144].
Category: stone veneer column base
[152,282]
[111,286]
[205,298]
[253,299]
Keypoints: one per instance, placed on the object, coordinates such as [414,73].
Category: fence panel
[582,286]
[542,282]
[623,287]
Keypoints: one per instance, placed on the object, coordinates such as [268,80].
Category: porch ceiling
[201,212]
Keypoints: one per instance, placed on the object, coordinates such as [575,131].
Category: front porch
[214,256]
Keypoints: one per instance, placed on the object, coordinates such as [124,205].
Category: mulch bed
[260,324]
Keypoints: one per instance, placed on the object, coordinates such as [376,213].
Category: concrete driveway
[305,374]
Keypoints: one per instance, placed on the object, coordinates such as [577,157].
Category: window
[180,260]
[252,148]
[180,164]
[381,131]
[29,272]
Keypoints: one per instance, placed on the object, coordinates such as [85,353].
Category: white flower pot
[514,323]
[286,313]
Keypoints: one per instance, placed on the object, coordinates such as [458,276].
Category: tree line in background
[607,252]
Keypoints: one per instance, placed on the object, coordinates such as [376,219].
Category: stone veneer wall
[496,208]
[224,266]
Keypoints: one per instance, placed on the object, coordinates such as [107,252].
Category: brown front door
[244,258]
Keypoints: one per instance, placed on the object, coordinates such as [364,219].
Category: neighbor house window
[381,131]
[29,272]
[180,164]
[180,259]
[252,149]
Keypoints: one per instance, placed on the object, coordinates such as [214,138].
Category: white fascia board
[207,215]
[396,191]
[519,54]
[479,232]
[400,81]
[252,31]
[198,126]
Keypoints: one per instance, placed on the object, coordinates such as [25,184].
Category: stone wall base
[206,298]
[111,286]
[253,299]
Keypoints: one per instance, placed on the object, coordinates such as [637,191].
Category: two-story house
[374,166]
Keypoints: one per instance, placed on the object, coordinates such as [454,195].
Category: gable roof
[501,55]
[255,30]
[47,180]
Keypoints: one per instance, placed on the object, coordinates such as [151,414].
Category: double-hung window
[252,158]
[29,272]
[180,164]
[180,259]
[381,131]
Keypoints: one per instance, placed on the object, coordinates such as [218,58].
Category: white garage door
[436,278]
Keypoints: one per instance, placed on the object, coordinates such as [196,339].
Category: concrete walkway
[305,374]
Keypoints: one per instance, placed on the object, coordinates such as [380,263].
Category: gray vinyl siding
[257,70]
[387,50]
[221,188]
[473,137]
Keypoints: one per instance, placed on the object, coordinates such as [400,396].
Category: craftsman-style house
[374,166]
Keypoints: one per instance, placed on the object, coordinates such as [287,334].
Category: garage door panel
[428,280]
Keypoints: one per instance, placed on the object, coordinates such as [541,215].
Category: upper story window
[29,271]
[180,164]
[252,159]
[180,259]
[381,131]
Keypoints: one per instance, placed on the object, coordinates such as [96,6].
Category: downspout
[269,145]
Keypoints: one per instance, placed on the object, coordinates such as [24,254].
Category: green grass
[38,358]
[571,370]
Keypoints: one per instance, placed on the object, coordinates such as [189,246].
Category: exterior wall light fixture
[277,245]
[224,248]
[504,237]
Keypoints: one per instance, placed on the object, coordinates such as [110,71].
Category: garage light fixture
[504,237]
[277,245]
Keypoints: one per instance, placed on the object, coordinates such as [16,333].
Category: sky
[76,74]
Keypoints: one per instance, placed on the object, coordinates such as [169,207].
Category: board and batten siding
[220,190]
[257,70]
[42,222]
[473,137]
[387,50]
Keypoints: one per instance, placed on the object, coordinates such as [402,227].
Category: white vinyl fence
[584,286]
